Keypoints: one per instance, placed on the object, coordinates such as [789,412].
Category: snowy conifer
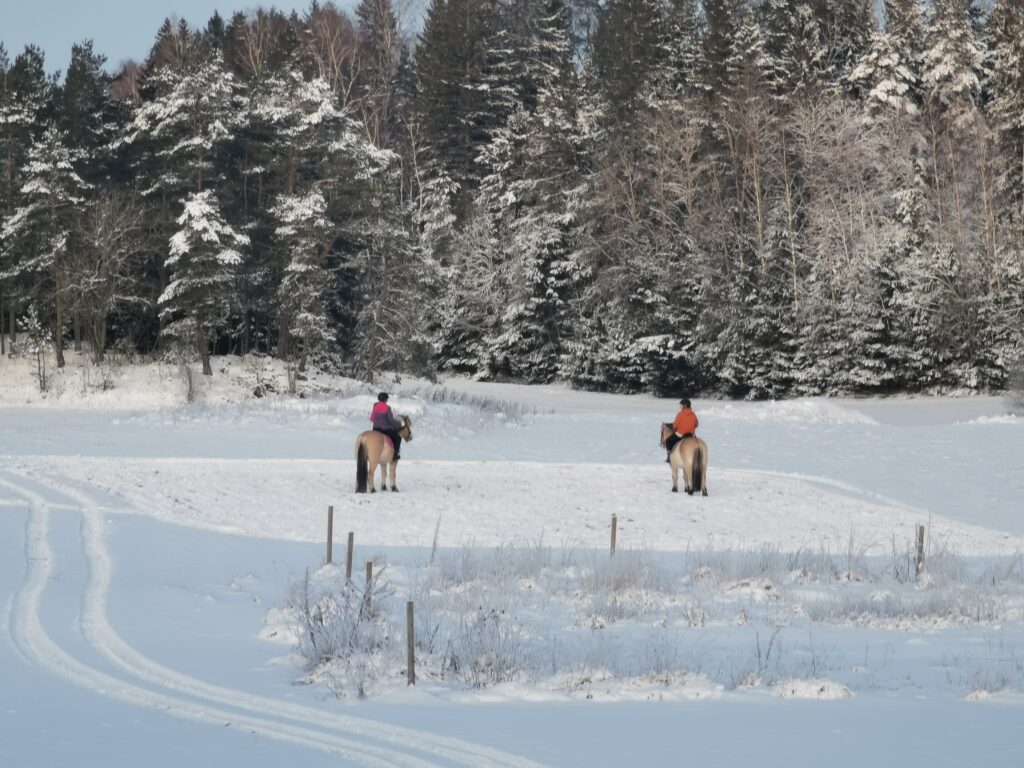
[203,256]
[40,231]
[304,233]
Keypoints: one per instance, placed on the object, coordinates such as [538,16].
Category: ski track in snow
[35,644]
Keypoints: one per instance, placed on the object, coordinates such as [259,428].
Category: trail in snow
[35,644]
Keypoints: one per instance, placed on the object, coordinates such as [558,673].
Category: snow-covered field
[157,558]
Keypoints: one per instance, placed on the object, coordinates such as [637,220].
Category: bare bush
[344,630]
[487,649]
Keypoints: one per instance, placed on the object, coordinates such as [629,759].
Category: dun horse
[374,449]
[690,453]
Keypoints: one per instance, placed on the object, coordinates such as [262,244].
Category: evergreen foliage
[751,199]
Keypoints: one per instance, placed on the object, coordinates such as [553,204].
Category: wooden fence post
[919,560]
[410,646]
[348,556]
[330,533]
[615,527]
[365,610]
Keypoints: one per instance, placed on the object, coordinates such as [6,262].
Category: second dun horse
[690,453]
[374,449]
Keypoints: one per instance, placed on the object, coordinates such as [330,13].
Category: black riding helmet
[685,401]
[382,397]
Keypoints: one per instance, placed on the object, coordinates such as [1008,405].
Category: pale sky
[119,29]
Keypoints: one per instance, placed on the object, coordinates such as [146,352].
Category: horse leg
[704,473]
[383,476]
[373,476]
[394,470]
[675,478]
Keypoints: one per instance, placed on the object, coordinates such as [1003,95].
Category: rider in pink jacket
[384,421]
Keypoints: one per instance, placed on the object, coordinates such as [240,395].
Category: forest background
[751,200]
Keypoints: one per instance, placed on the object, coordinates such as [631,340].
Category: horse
[374,449]
[690,453]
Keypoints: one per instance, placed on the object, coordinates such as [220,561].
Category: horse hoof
[383,489]
[373,490]
[394,488]
[703,493]
[675,490]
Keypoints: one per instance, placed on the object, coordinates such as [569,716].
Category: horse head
[406,429]
[666,430]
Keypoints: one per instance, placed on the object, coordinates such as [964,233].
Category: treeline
[750,199]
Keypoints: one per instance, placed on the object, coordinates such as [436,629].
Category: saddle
[386,436]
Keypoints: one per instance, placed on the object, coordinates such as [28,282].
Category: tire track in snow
[105,640]
[32,641]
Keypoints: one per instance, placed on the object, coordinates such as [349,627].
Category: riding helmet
[382,397]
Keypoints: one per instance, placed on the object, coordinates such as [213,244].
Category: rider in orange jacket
[684,425]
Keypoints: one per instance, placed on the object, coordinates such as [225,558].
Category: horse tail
[698,468]
[362,467]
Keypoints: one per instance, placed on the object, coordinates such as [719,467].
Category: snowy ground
[150,552]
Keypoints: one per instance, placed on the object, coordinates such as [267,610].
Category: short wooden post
[410,646]
[348,555]
[365,610]
[615,528]
[330,534]
[919,560]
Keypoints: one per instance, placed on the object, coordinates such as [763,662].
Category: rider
[685,425]
[384,421]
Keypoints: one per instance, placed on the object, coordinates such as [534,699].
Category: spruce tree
[629,55]
[41,229]
[1006,105]
[304,233]
[25,104]
[204,253]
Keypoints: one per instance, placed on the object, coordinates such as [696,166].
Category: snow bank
[802,411]
[812,689]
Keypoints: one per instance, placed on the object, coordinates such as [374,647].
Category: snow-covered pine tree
[380,50]
[533,161]
[888,75]
[750,326]
[299,137]
[304,233]
[952,60]
[682,41]
[793,41]
[25,97]
[41,228]
[470,302]
[83,104]
[915,298]
[1006,105]
[462,52]
[88,122]
[203,256]
[629,55]
[188,123]
[955,132]
[846,27]
[1004,311]
[721,21]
